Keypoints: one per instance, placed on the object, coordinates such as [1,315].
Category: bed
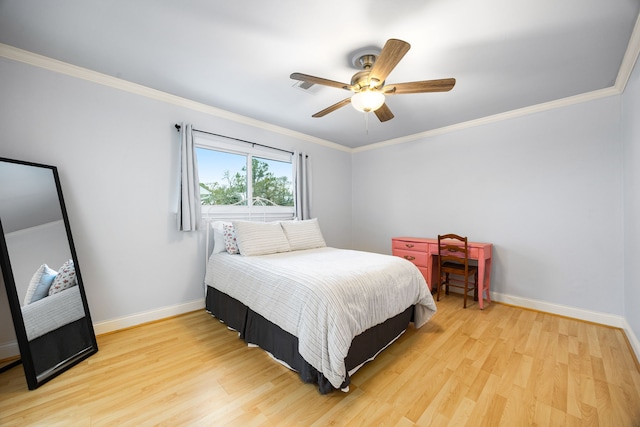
[321,311]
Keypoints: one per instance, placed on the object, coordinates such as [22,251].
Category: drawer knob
[409,257]
[409,245]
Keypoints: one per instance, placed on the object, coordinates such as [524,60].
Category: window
[241,181]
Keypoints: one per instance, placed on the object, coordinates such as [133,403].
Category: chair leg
[475,287]
[466,290]
[446,283]
[439,285]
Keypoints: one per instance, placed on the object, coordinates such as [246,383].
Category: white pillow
[39,284]
[260,238]
[217,228]
[304,234]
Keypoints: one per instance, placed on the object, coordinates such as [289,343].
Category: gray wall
[545,189]
[117,154]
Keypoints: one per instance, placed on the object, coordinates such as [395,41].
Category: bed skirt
[255,329]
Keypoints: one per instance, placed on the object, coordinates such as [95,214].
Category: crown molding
[57,66]
[624,73]
[564,102]
[630,58]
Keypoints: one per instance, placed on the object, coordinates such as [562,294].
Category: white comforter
[323,296]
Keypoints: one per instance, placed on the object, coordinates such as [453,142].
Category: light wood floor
[503,366]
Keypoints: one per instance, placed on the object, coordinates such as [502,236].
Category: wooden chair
[453,259]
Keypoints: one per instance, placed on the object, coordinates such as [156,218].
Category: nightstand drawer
[473,253]
[408,245]
[418,258]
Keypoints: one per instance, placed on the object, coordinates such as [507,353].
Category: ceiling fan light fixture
[368,85]
[367,101]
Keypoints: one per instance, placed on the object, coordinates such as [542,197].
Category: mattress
[324,297]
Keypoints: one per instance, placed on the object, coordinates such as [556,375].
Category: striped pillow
[304,234]
[260,238]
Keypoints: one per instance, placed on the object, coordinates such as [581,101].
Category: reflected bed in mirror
[41,273]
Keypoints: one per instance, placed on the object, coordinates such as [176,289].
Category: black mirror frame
[34,379]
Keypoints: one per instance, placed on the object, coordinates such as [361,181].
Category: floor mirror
[40,272]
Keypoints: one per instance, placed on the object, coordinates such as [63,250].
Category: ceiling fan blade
[319,80]
[391,54]
[384,113]
[441,85]
[332,108]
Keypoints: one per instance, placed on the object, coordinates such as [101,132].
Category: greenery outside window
[241,181]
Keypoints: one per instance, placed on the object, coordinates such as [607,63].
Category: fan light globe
[367,101]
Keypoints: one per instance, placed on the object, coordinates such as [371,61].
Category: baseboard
[633,339]
[574,313]
[147,316]
[562,310]
[9,349]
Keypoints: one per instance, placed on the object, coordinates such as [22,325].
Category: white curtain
[189,204]
[302,176]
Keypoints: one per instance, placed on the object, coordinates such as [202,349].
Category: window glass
[223,177]
[236,184]
[271,182]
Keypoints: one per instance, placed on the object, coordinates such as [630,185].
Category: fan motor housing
[364,59]
[361,80]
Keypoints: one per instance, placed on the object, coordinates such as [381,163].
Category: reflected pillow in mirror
[65,278]
[39,284]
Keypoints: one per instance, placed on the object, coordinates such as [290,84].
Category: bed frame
[255,329]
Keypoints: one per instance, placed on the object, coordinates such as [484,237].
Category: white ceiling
[238,55]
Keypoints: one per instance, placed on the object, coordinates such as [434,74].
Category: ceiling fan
[369,86]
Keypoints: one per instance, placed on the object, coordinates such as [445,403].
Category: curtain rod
[237,139]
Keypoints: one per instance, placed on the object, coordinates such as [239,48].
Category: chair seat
[458,267]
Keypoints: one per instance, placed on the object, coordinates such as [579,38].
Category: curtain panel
[302,184]
[189,203]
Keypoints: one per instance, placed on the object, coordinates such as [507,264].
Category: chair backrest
[453,248]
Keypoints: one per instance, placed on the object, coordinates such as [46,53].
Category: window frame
[249,211]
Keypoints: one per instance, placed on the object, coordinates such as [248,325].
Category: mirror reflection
[47,301]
